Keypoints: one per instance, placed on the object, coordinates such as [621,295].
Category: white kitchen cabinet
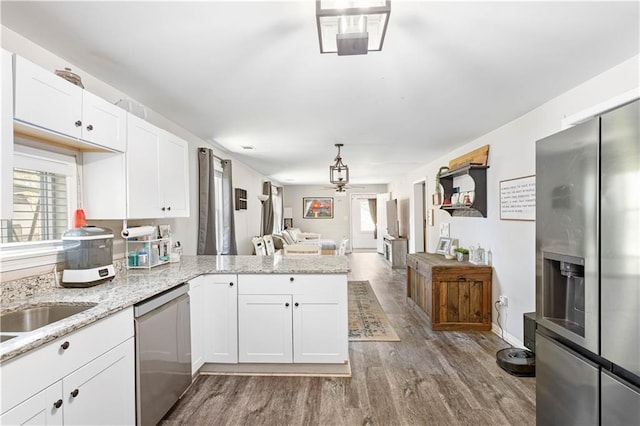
[293,318]
[157,172]
[103,391]
[220,329]
[44,408]
[196,302]
[97,360]
[49,102]
[104,185]
[104,124]
[6,137]
[264,328]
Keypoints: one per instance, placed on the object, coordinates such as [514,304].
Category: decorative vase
[460,256]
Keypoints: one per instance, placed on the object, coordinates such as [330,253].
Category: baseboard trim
[507,337]
[305,370]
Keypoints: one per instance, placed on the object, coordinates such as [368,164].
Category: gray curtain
[207,238]
[206,202]
[267,210]
[373,211]
[229,232]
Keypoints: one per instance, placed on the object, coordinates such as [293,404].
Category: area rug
[367,320]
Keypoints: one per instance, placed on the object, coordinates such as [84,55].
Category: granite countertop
[132,286]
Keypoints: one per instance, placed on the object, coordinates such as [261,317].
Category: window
[366,223]
[44,195]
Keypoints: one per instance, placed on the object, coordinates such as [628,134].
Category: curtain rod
[202,149]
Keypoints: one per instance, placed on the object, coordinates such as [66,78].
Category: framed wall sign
[317,208]
[518,198]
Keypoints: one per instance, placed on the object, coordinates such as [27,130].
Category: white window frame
[30,254]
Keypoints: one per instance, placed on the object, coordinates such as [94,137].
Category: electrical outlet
[504,301]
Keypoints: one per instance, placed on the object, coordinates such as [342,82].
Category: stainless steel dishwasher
[163,353]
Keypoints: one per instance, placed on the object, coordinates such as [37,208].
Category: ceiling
[240,73]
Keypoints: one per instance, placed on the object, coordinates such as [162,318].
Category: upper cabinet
[6,138]
[45,101]
[157,172]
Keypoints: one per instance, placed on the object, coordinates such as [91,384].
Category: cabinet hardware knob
[75,393]
[65,346]
[90,127]
[58,403]
[462,278]
[169,208]
[163,209]
[286,304]
[230,284]
[78,123]
[291,279]
[295,304]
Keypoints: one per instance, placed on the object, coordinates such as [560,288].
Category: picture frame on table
[444,246]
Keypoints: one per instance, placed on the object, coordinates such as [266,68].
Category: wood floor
[428,378]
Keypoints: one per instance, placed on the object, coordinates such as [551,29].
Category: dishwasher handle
[155,302]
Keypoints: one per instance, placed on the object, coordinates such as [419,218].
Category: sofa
[296,236]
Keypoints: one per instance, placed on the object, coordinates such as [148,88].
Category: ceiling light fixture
[338,171]
[352,27]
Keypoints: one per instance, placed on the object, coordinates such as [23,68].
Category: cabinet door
[220,318]
[102,391]
[6,138]
[143,169]
[103,123]
[265,328]
[45,100]
[104,185]
[320,329]
[196,297]
[44,408]
[174,176]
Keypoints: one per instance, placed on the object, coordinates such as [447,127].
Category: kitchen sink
[31,318]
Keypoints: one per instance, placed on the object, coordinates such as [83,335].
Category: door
[363,228]
[566,233]
[319,329]
[143,169]
[174,175]
[566,386]
[381,207]
[265,328]
[103,123]
[103,391]
[220,318]
[44,408]
[419,221]
[620,237]
[45,100]
[620,401]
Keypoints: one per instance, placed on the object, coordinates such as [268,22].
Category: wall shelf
[479,175]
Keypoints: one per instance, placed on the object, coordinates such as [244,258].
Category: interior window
[44,195]
[366,223]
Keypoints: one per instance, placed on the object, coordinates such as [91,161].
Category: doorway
[363,221]
[418,244]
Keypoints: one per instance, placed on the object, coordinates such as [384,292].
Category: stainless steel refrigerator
[588,272]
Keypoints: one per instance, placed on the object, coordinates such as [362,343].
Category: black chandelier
[338,171]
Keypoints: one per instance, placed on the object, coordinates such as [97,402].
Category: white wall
[333,229]
[184,230]
[512,155]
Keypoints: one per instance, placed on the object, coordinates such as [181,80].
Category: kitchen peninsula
[249,315]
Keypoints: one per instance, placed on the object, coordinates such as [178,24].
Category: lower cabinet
[214,319]
[292,318]
[83,378]
[451,295]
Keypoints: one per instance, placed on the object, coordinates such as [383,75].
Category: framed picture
[518,198]
[317,208]
[444,245]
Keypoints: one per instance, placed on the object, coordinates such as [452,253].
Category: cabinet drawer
[33,371]
[468,274]
[308,284]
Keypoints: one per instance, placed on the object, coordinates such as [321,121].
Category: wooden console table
[448,294]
